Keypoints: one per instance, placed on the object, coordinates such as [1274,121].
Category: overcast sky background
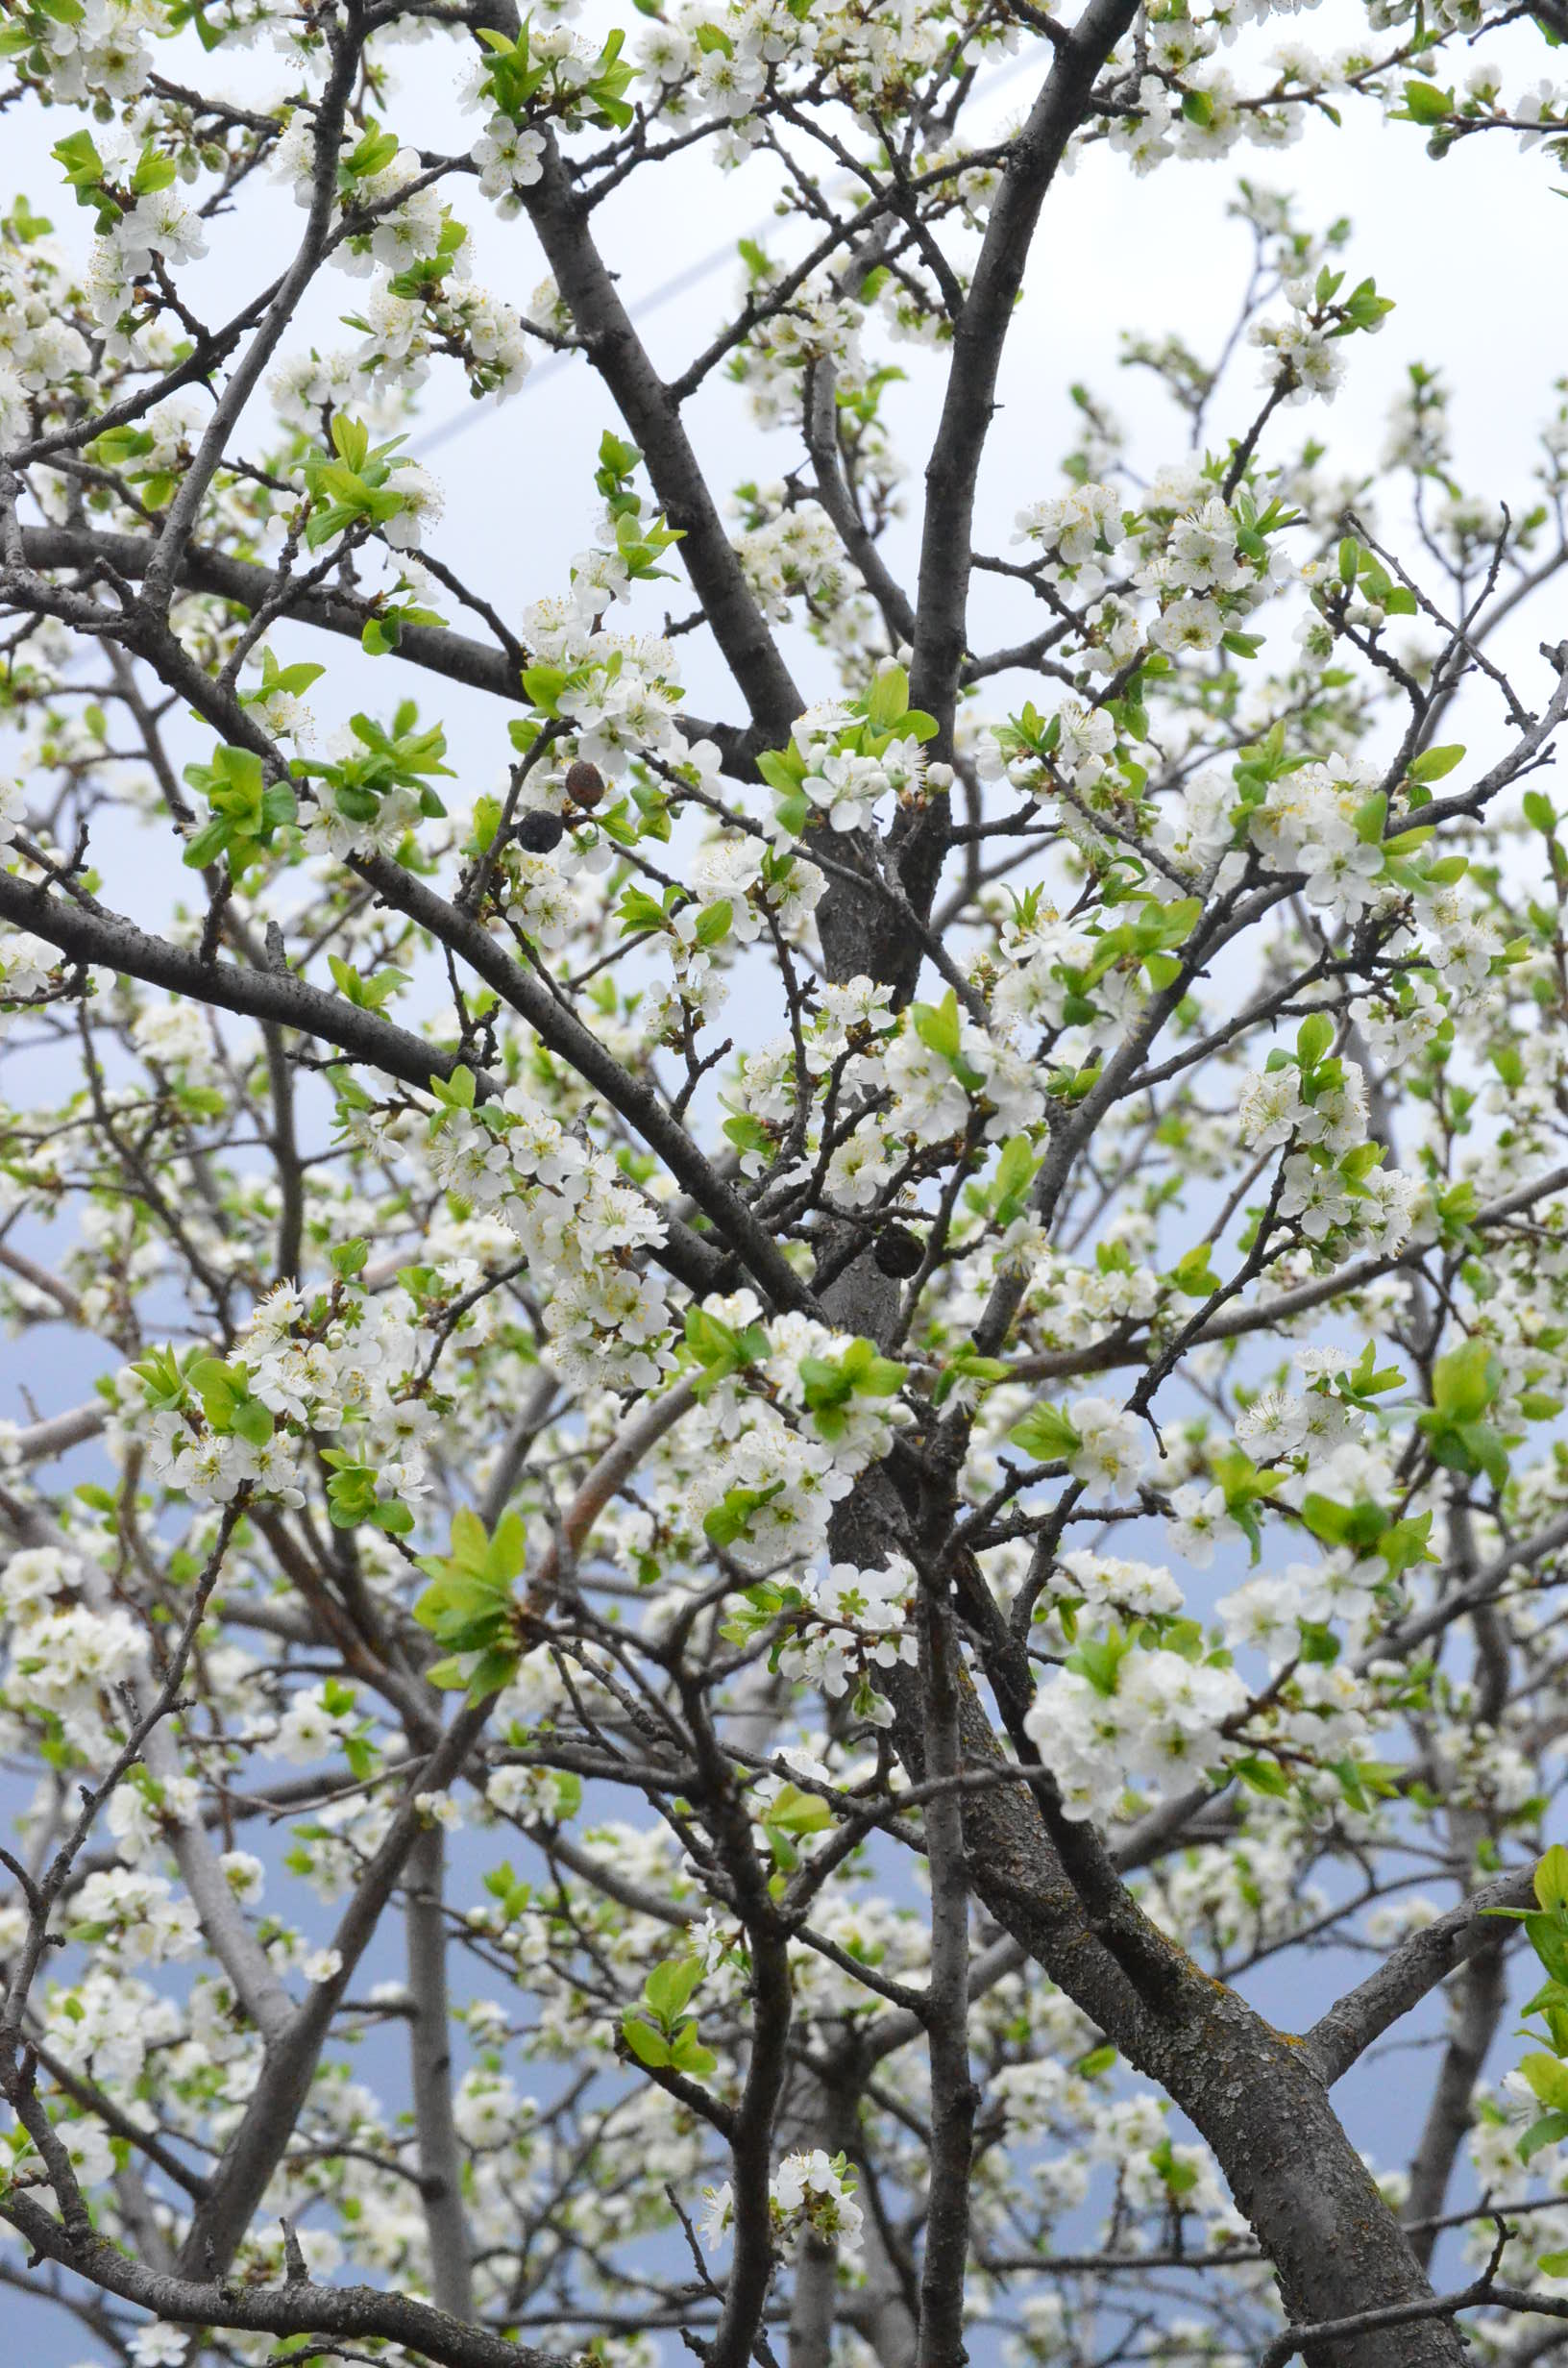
[1473,251]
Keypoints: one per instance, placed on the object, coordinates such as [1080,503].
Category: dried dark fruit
[899,1252]
[584,783]
[540,833]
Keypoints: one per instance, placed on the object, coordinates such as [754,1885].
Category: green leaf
[937,1027]
[1314,1038]
[1099,1659]
[372,155]
[351,441]
[1015,1173]
[1425,103]
[795,1811]
[83,165]
[1263,1776]
[1045,1435]
[1192,1274]
[1548,2080]
[688,2055]
[1549,2131]
[1548,1940]
[731,1518]
[221,1388]
[647,2045]
[208,845]
[253,1422]
[1433,763]
[1404,1544]
[889,699]
[778,772]
[153,172]
[1465,1382]
[1179,2178]
[669,1988]
[966,1365]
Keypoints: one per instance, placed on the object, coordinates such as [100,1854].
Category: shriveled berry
[899,1252]
[541,832]
[584,783]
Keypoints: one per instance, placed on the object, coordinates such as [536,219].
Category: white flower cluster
[1111,1587]
[724,77]
[304,385]
[622,692]
[399,323]
[737,882]
[509,158]
[1205,563]
[1077,530]
[26,964]
[785,1461]
[354,1373]
[160,225]
[1306,823]
[1111,1454]
[98,51]
[845,785]
[315,1722]
[65,1661]
[808,2192]
[933,1090]
[1079,1302]
[1305,359]
[733,869]
[793,1481]
[795,552]
[853,1623]
[1155,1730]
[581,1224]
[1330,1189]
[814,326]
[178,1037]
[39,349]
[1044,958]
[910,1079]
[134,1919]
[1266,1614]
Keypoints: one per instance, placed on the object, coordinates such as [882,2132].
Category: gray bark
[430,2044]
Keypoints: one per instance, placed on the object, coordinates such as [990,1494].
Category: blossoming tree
[627,1738]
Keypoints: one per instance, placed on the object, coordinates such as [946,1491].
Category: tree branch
[1403,1979]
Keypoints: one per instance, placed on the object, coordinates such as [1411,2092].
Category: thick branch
[89,932]
[953,2095]
[1403,1979]
[351,2311]
[652,415]
[433,648]
[429,2046]
[954,467]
